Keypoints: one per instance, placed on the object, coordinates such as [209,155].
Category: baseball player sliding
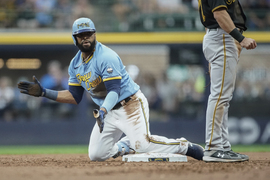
[224,21]
[123,108]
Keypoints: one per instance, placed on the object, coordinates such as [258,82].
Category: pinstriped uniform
[132,118]
[222,52]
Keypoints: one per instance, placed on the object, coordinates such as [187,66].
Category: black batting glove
[100,116]
[31,88]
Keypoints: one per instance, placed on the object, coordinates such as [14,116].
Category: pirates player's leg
[234,53]
[222,82]
[225,131]
[210,51]
[222,56]
[223,76]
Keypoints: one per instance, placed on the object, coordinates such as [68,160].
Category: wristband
[237,35]
[43,91]
[50,94]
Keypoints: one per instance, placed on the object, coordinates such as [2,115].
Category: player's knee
[96,155]
[142,148]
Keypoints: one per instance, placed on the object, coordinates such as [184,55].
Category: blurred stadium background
[160,44]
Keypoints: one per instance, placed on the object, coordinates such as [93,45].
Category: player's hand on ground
[31,88]
[100,116]
[248,43]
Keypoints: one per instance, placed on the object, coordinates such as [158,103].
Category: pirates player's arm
[225,22]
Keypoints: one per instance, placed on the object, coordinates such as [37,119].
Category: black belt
[118,105]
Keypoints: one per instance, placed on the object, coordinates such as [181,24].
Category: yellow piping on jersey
[200,7]
[222,84]
[112,78]
[74,84]
[219,7]
[151,140]
[88,58]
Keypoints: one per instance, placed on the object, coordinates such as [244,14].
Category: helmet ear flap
[74,40]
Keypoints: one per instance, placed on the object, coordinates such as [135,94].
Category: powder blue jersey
[103,65]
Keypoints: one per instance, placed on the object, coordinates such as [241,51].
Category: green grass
[44,149]
[82,149]
[251,148]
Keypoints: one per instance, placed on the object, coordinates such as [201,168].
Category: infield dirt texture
[79,167]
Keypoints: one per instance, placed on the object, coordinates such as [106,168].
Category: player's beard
[89,49]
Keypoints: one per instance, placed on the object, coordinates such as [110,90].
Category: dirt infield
[65,167]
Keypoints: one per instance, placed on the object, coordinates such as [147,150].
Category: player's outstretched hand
[31,88]
[248,43]
[100,116]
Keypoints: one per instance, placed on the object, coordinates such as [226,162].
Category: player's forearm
[60,96]
[110,101]
[65,97]
[224,20]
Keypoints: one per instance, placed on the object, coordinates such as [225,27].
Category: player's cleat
[123,149]
[243,156]
[222,156]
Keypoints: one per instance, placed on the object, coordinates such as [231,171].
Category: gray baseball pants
[222,52]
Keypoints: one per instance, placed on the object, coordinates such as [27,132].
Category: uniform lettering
[84,77]
[229,2]
[95,82]
[88,84]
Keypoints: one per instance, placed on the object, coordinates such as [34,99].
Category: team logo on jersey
[229,2]
[110,70]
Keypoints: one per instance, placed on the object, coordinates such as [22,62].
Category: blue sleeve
[77,93]
[113,87]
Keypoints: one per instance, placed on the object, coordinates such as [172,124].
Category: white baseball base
[149,157]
